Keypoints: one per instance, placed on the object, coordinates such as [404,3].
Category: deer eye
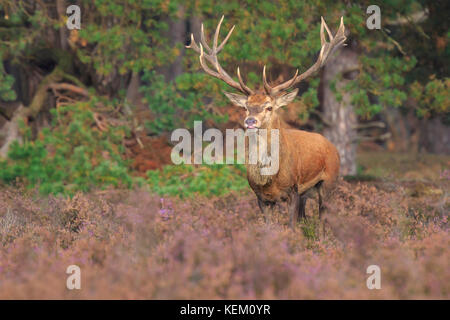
[269,108]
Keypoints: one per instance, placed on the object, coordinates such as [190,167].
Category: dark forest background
[95,107]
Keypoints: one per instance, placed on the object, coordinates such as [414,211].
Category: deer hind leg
[325,190]
[294,207]
[319,189]
[302,207]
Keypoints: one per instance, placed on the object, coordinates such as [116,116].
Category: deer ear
[286,98]
[237,99]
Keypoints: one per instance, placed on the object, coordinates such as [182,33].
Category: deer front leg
[266,208]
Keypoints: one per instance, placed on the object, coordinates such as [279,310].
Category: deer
[308,162]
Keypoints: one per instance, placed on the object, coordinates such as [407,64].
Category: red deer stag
[306,160]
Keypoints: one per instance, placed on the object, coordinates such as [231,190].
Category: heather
[137,244]
[87,115]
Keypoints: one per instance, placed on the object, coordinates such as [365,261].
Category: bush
[135,245]
[187,181]
[177,104]
[72,155]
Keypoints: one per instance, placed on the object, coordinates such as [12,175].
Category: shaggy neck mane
[254,170]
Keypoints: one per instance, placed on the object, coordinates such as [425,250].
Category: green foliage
[177,104]
[381,84]
[129,37]
[433,98]
[310,228]
[73,155]
[6,83]
[285,35]
[278,34]
[120,38]
[187,181]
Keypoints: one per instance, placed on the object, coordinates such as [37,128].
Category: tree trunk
[63,32]
[10,131]
[340,115]
[400,135]
[177,36]
[434,136]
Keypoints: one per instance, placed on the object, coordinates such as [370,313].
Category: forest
[92,90]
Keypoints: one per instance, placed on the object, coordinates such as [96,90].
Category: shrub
[135,245]
[187,181]
[72,155]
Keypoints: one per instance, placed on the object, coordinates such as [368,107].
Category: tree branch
[382,137]
[2,113]
[373,124]
[11,131]
[69,87]
[321,116]
[41,92]
[399,47]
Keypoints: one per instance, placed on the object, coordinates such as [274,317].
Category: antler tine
[267,87]
[328,30]
[193,45]
[241,82]
[211,57]
[322,35]
[293,78]
[269,90]
[203,38]
[216,34]
[225,40]
[327,48]
[341,30]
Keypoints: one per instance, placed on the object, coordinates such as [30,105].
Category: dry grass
[131,244]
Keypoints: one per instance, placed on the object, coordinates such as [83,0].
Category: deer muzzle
[251,123]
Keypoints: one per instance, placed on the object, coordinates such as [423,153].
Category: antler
[326,50]
[211,56]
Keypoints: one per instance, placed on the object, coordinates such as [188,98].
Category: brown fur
[258,99]
[307,160]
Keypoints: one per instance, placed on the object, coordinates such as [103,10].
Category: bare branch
[69,87]
[373,124]
[382,137]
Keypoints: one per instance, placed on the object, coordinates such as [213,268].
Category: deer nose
[250,121]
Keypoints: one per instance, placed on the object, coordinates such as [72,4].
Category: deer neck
[254,170]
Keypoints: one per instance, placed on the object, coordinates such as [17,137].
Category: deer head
[261,106]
